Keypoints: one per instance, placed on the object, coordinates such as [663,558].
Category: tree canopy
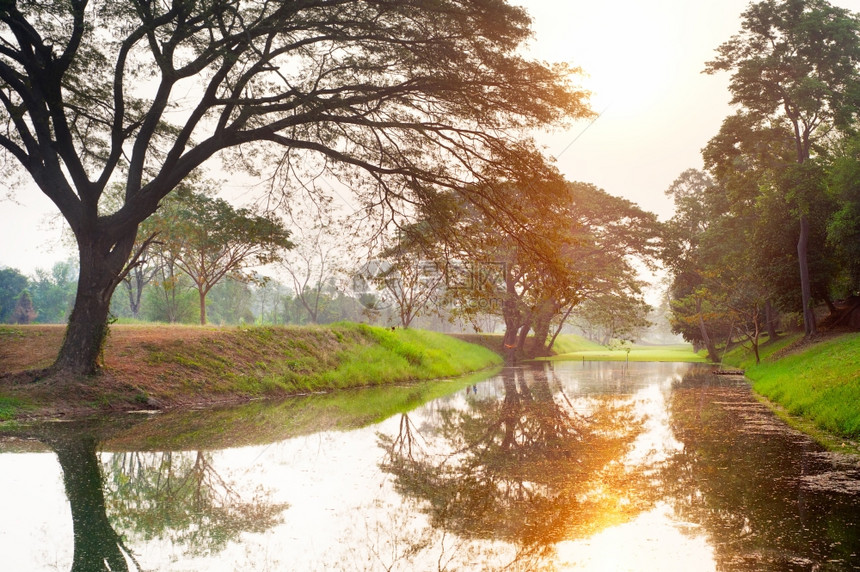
[396,99]
[795,68]
[208,239]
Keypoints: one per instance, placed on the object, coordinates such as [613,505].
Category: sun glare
[625,54]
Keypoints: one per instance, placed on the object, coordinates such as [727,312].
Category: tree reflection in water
[529,469]
[179,496]
[97,545]
[741,475]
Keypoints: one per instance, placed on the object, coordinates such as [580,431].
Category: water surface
[563,466]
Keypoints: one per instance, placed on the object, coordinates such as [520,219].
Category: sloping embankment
[167,366]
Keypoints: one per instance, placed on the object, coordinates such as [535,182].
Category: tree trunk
[713,355]
[523,334]
[770,319]
[202,305]
[100,272]
[97,546]
[541,329]
[558,329]
[513,319]
[805,287]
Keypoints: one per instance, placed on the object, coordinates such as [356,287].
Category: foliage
[843,229]
[208,240]
[24,312]
[230,302]
[12,282]
[796,75]
[604,318]
[578,244]
[395,100]
[413,282]
[54,292]
[172,300]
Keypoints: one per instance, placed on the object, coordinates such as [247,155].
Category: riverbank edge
[813,386]
[164,367]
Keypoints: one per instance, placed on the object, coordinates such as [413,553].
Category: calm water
[566,467]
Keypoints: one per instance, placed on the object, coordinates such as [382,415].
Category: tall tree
[209,240]
[54,291]
[12,282]
[688,250]
[796,65]
[579,245]
[843,229]
[394,98]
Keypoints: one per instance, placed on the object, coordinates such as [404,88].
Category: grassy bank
[572,347]
[817,384]
[168,366]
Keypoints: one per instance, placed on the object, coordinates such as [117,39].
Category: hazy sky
[643,62]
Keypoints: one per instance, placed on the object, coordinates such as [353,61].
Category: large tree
[393,97]
[796,65]
[579,245]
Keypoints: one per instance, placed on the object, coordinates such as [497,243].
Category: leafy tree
[393,98]
[170,296]
[612,317]
[585,248]
[796,66]
[689,249]
[208,239]
[54,291]
[843,230]
[412,281]
[231,302]
[24,312]
[12,283]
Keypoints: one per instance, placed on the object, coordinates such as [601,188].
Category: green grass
[401,355]
[819,383]
[269,360]
[741,356]
[571,343]
[267,421]
[576,348]
[11,406]
[174,367]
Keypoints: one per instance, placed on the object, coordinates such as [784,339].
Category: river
[560,466]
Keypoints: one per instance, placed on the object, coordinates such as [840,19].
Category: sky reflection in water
[573,467]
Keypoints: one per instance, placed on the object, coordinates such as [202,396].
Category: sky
[642,63]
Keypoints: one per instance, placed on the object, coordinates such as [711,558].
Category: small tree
[208,239]
[24,312]
[312,264]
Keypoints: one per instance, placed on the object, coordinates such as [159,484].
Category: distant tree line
[44,298]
